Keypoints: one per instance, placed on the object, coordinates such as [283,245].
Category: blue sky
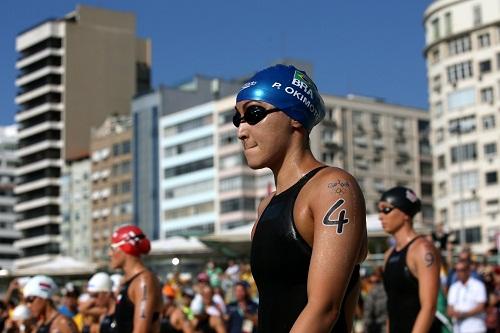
[371,48]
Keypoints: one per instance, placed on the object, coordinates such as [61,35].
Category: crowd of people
[215,300]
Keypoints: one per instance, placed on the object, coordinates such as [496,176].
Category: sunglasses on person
[30,299]
[252,115]
[385,210]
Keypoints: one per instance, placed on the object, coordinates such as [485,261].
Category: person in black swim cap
[310,234]
[411,271]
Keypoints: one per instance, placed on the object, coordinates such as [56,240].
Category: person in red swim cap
[139,303]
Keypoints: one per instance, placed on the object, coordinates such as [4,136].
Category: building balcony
[37,241]
[43,145]
[40,128]
[37,222]
[39,165]
[9,249]
[38,74]
[38,92]
[45,53]
[35,185]
[33,260]
[35,203]
[37,110]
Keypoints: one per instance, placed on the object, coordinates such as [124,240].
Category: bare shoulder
[335,181]
[423,252]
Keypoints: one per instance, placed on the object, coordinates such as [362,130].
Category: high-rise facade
[8,164]
[111,182]
[73,72]
[76,210]
[462,50]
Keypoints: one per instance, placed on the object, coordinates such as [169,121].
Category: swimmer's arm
[426,262]
[143,297]
[337,247]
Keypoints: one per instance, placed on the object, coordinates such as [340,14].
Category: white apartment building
[187,190]
[73,72]
[462,49]
[76,210]
[8,163]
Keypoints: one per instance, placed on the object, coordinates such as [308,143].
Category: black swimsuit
[46,327]
[401,286]
[280,260]
[124,313]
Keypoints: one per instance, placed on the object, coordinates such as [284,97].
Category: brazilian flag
[301,76]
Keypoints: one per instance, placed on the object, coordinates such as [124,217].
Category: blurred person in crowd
[310,234]
[412,266]
[116,282]
[4,314]
[467,301]
[492,314]
[38,294]
[242,314]
[209,319]
[21,320]
[173,318]
[233,271]
[69,301]
[187,295]
[440,238]
[101,304]
[375,305]
[139,303]
[464,255]
[197,302]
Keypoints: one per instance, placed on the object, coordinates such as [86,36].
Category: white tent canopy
[61,265]
[176,245]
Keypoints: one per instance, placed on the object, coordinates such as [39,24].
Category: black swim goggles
[252,115]
[386,210]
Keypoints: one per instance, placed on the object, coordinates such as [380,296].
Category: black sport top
[124,312]
[280,260]
[401,286]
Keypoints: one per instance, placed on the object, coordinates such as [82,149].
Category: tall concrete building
[76,210]
[73,72]
[462,50]
[111,182]
[8,164]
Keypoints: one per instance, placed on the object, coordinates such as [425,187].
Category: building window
[447,24]
[466,152]
[487,95]
[126,147]
[436,84]
[459,45]
[435,56]
[491,178]
[476,10]
[435,29]
[442,188]
[438,109]
[483,40]
[226,117]
[426,189]
[459,71]
[439,135]
[489,122]
[461,99]
[485,66]
[426,168]
[441,162]
[473,235]
[231,161]
[463,125]
[469,179]
[228,138]
[237,204]
[443,215]
[470,209]
[189,167]
[490,149]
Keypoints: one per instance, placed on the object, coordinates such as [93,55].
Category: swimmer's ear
[295,123]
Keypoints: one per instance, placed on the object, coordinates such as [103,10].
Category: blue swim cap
[288,89]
